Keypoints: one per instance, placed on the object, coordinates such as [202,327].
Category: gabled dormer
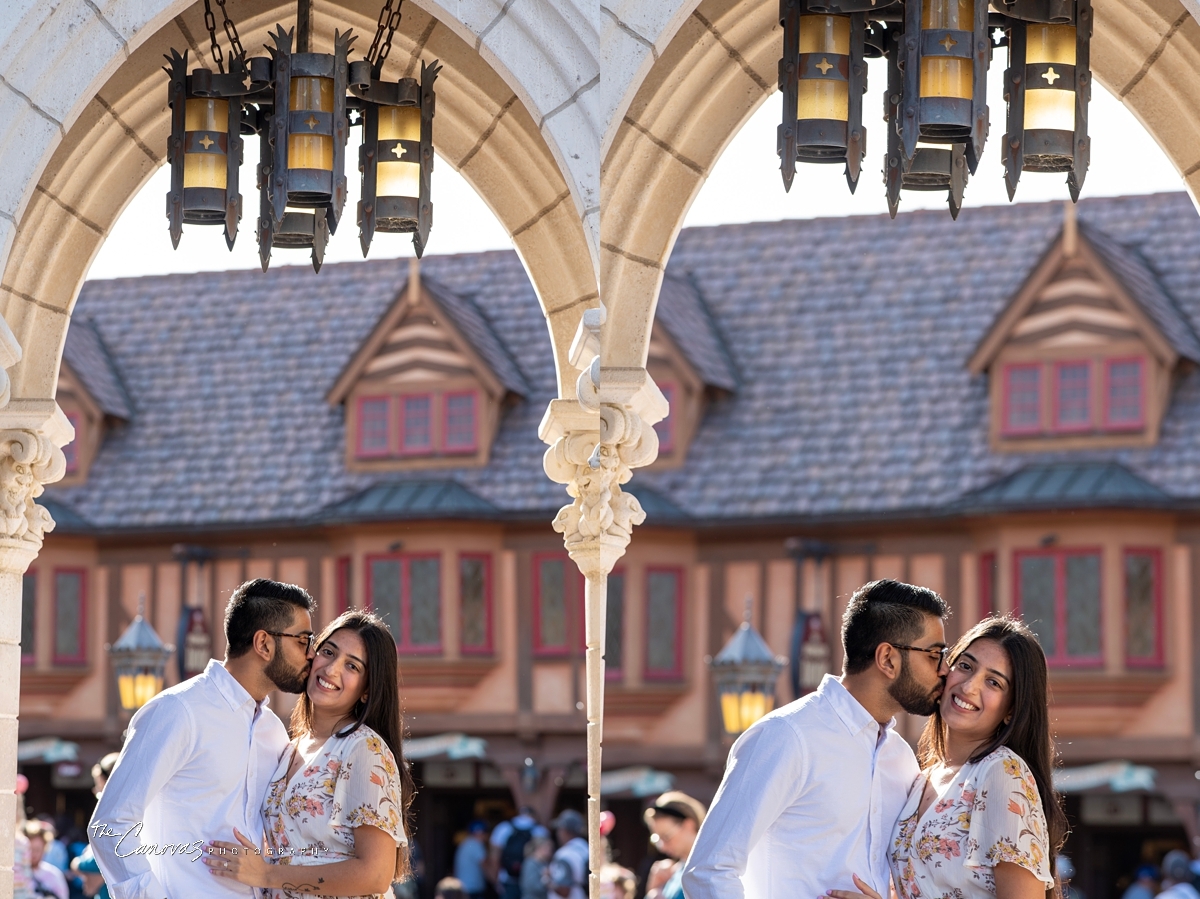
[1083,355]
[427,386]
[91,395]
[689,362]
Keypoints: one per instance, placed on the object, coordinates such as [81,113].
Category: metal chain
[235,43]
[389,21]
[210,23]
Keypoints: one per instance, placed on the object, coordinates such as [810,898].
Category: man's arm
[159,742]
[763,776]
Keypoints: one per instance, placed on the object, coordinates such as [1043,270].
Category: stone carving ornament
[28,460]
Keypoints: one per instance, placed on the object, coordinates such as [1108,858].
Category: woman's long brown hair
[380,712]
[1027,732]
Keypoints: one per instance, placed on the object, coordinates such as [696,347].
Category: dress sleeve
[1008,823]
[368,789]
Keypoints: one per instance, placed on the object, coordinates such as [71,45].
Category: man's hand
[241,861]
[867,892]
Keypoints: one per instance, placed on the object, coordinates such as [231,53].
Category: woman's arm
[1015,882]
[368,873]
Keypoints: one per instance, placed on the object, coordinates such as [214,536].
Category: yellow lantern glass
[1050,44]
[945,76]
[825,34]
[740,710]
[310,151]
[138,688]
[817,98]
[1045,106]
[1054,110]
[205,169]
[395,178]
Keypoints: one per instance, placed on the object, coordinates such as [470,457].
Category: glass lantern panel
[955,15]
[125,685]
[311,151]
[731,713]
[205,169]
[819,99]
[398,179]
[945,76]
[1050,109]
[399,123]
[825,34]
[1050,44]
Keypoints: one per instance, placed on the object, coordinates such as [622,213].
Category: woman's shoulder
[366,743]
[1001,762]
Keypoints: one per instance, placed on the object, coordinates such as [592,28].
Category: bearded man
[812,791]
[198,758]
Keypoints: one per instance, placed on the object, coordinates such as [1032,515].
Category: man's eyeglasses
[307,639]
[939,654]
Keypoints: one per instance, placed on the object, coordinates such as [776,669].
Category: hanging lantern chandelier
[300,103]
[935,108]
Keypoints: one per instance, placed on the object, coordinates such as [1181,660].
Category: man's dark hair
[261,605]
[885,611]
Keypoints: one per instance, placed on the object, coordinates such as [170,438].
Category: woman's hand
[867,892]
[243,863]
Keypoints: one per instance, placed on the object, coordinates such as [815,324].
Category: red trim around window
[71,450]
[80,656]
[1158,659]
[29,653]
[572,606]
[1138,425]
[1056,397]
[1006,400]
[342,585]
[987,585]
[676,671]
[666,427]
[364,452]
[473,445]
[1060,659]
[422,449]
[405,644]
[485,648]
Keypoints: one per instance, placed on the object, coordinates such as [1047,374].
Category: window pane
[473,586]
[385,593]
[460,421]
[1125,393]
[1083,605]
[1037,599]
[1141,612]
[662,630]
[1024,406]
[28,613]
[426,601]
[552,611]
[418,431]
[68,609]
[1074,395]
[614,631]
[373,426]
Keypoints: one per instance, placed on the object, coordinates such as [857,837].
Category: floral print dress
[309,820]
[991,813]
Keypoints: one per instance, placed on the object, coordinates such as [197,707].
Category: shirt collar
[233,692]
[850,710]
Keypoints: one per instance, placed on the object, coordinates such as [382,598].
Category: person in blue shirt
[469,859]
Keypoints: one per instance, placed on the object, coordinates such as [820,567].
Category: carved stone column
[596,440]
[32,433]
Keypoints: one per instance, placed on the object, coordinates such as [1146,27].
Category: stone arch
[86,97]
[697,70]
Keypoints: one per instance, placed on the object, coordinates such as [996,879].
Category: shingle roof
[410,499]
[473,326]
[1142,284]
[87,356]
[852,401]
[681,310]
[1069,485]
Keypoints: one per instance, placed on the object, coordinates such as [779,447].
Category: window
[71,450]
[373,426]
[1059,597]
[405,591]
[664,624]
[666,427]
[1123,394]
[1072,396]
[69,617]
[459,432]
[614,627]
[557,605]
[416,424]
[1022,399]
[988,571]
[1143,608]
[475,603]
[28,617]
[343,585]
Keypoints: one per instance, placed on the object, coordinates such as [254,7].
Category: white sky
[745,186]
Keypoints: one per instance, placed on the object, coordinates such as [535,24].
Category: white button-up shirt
[197,762]
[810,796]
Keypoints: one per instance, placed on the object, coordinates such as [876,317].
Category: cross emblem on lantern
[824,65]
[1050,75]
[311,122]
[398,151]
[948,42]
[206,142]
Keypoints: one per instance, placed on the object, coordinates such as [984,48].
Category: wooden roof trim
[407,300]
[676,358]
[71,382]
